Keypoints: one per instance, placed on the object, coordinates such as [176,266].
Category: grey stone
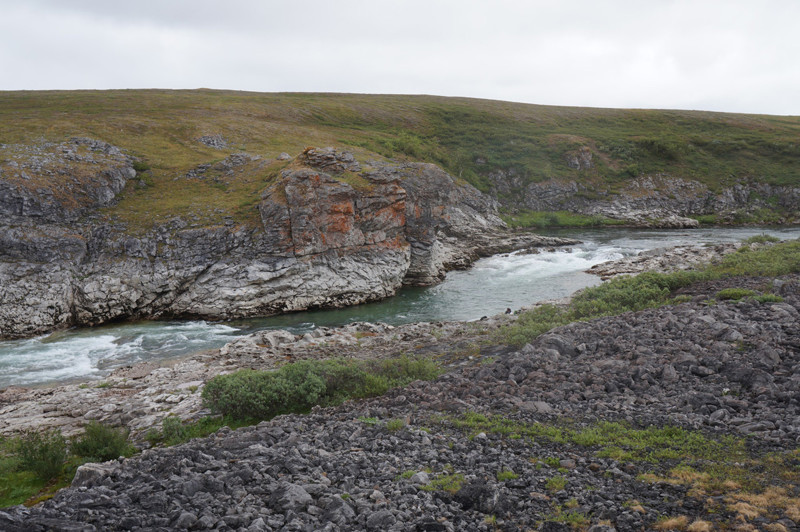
[420,478]
[185,521]
[380,520]
[290,497]
[91,473]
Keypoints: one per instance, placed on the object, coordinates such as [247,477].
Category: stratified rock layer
[321,243]
[648,201]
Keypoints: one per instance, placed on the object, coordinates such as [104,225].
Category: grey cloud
[738,56]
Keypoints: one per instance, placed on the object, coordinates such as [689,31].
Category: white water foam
[92,353]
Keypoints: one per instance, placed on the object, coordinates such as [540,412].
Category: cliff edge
[326,232]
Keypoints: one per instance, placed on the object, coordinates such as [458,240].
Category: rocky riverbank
[141,396]
[328,231]
[665,260]
[421,458]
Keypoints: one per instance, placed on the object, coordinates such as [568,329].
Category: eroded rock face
[322,242]
[58,183]
[648,201]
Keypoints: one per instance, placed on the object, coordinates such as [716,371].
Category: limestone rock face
[321,242]
[647,201]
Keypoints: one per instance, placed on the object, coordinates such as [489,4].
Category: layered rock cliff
[652,201]
[320,242]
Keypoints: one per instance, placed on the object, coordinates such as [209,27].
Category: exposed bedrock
[651,201]
[321,242]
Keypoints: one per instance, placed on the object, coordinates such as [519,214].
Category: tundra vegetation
[470,138]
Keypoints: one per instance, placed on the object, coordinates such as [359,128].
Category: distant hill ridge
[527,156]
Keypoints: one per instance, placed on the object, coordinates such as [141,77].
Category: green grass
[393,425]
[716,470]
[575,520]
[447,482]
[546,219]
[34,465]
[735,294]
[648,290]
[506,474]
[556,483]
[470,138]
[405,475]
[296,387]
[174,431]
[611,439]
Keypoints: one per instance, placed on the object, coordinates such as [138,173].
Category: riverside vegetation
[586,460]
[647,290]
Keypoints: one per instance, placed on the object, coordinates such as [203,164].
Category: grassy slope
[468,137]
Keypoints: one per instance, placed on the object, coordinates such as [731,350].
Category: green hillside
[468,137]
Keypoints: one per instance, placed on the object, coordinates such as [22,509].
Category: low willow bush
[761,239]
[43,453]
[649,289]
[35,464]
[100,443]
[296,387]
[772,261]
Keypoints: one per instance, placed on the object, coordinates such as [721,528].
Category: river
[490,287]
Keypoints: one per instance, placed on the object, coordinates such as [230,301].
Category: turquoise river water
[490,287]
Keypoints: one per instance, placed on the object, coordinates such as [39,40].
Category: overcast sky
[731,55]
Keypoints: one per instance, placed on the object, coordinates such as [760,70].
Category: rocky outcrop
[321,242]
[647,201]
[665,260]
[57,183]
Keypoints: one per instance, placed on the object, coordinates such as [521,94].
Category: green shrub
[556,483]
[773,261]
[552,461]
[769,298]
[140,166]
[172,430]
[100,443]
[297,387]
[762,239]
[735,294]
[506,474]
[707,219]
[43,453]
[447,482]
[393,425]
